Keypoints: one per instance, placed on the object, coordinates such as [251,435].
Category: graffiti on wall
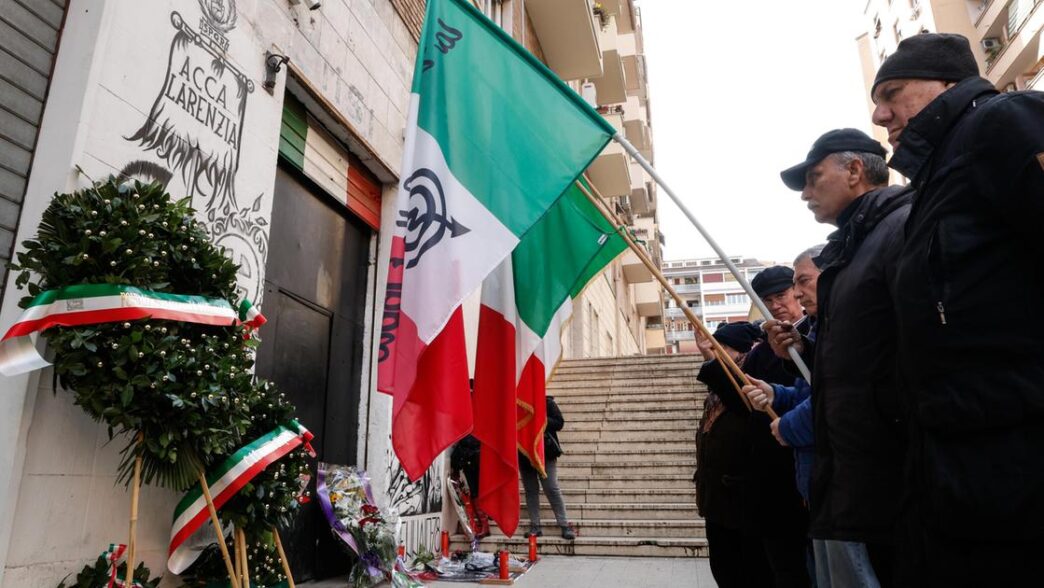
[195,129]
[419,504]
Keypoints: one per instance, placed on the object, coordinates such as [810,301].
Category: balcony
[611,171]
[612,86]
[1023,49]
[568,36]
[639,134]
[687,288]
[675,336]
[655,340]
[634,270]
[1037,83]
[673,312]
[647,299]
[634,72]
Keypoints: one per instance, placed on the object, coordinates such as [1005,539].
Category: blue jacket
[794,405]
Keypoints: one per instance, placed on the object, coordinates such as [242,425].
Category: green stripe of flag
[512,132]
[559,255]
[293,132]
[97,290]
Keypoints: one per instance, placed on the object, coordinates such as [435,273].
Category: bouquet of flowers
[347,501]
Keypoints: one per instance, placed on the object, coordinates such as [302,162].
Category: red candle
[402,551]
[533,547]
[504,575]
[445,544]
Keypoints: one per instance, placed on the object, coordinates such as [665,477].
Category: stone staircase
[630,452]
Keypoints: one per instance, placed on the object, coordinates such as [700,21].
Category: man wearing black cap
[756,522]
[855,485]
[973,382]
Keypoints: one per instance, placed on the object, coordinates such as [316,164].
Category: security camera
[311,4]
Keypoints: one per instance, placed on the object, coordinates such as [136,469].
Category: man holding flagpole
[974,378]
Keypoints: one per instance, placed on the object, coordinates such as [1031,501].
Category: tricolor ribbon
[91,304]
[112,556]
[187,537]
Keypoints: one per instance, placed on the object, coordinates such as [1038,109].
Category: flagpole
[728,364]
[794,355]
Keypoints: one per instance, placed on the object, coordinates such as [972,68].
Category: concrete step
[633,361]
[618,528]
[623,480]
[600,374]
[613,445]
[605,546]
[616,398]
[667,511]
[682,466]
[616,422]
[631,407]
[636,415]
[623,384]
[638,453]
[635,495]
[644,435]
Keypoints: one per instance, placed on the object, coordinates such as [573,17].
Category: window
[737,299]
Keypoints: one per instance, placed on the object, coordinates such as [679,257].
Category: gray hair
[811,253]
[875,170]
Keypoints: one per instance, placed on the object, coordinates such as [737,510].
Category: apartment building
[711,291]
[597,47]
[1004,36]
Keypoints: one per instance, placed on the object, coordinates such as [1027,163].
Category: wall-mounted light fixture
[273,63]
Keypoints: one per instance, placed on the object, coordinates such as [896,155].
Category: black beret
[772,280]
[739,336]
[836,141]
[929,56]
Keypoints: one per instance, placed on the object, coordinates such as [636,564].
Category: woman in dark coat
[532,480]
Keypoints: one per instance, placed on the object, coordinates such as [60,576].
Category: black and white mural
[193,134]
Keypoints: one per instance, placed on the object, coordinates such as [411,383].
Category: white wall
[59,506]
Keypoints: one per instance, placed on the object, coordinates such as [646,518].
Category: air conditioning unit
[589,93]
[991,44]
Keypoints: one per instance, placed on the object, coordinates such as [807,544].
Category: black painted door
[315,288]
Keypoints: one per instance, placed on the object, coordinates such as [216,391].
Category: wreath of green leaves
[183,395]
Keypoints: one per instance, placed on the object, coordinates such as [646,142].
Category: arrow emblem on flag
[427,220]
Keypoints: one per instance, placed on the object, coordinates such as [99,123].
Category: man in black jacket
[855,479]
[756,522]
[973,377]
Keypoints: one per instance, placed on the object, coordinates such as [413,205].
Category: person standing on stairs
[532,480]
[755,519]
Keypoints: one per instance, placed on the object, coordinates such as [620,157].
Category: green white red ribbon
[90,304]
[113,555]
[187,536]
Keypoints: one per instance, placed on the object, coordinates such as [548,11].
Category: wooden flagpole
[218,530]
[282,558]
[723,357]
[132,541]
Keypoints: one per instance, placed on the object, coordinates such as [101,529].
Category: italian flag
[493,138]
[525,303]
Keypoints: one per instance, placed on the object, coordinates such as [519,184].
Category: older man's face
[806,277]
[828,189]
[784,306]
[900,100]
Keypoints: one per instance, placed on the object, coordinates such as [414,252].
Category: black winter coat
[555,422]
[745,479]
[855,485]
[969,277]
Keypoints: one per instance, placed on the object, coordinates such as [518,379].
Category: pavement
[560,571]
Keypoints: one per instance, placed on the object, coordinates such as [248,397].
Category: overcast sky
[739,91]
